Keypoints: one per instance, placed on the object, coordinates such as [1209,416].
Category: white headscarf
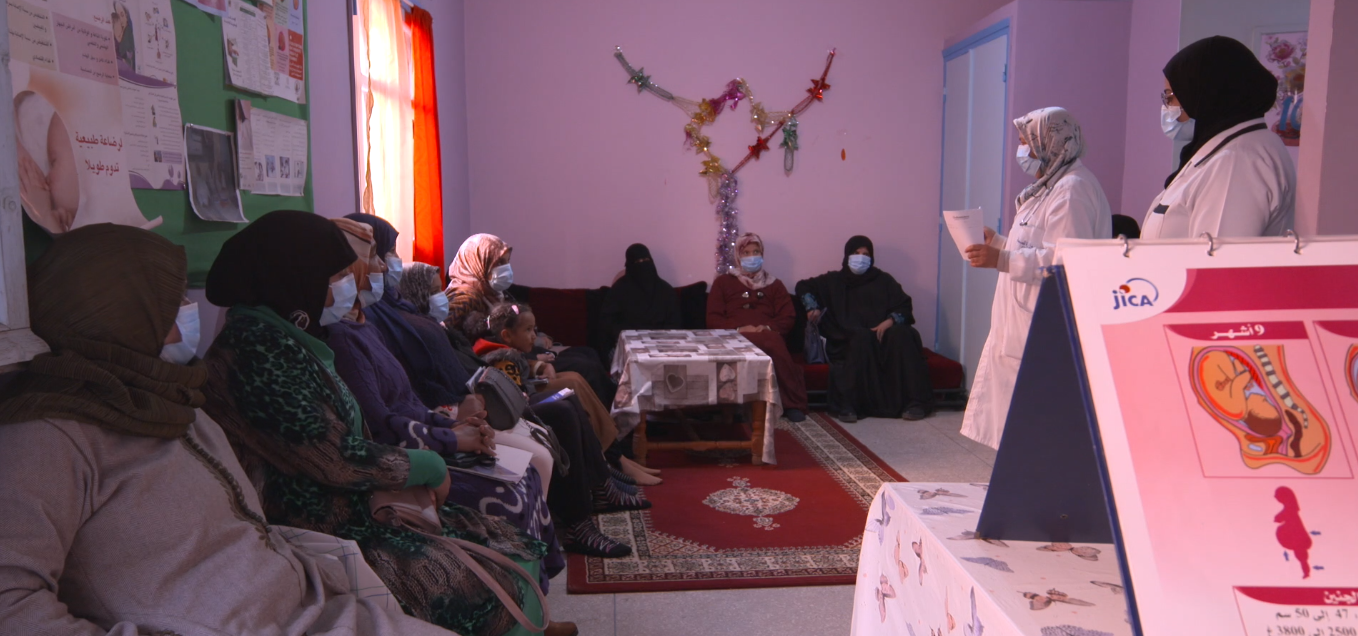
[1054,138]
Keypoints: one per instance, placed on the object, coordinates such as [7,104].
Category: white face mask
[370,297]
[394,271]
[859,263]
[184,351]
[1027,162]
[345,292]
[1172,127]
[752,264]
[438,307]
[501,277]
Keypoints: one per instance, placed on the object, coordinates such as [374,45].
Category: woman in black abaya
[640,299]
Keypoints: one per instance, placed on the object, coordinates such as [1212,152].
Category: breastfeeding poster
[1226,393]
[73,155]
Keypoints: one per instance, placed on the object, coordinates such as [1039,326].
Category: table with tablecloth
[673,369]
[923,572]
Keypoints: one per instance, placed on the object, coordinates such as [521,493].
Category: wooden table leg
[759,412]
[639,439]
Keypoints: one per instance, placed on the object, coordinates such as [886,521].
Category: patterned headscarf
[469,273]
[416,282]
[1054,138]
[759,279]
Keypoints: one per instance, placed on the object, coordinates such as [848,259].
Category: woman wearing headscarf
[753,302]
[1065,201]
[570,497]
[640,299]
[300,434]
[126,511]
[1235,177]
[395,416]
[877,365]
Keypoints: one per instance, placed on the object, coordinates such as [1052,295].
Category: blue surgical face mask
[501,277]
[438,307]
[752,264]
[394,271]
[859,263]
[184,351]
[370,297]
[345,292]
[1027,162]
[1172,127]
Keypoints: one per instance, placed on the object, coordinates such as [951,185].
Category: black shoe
[794,415]
[585,538]
[611,498]
[847,417]
[916,413]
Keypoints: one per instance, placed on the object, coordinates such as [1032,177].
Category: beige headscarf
[759,279]
[105,297]
[1054,138]
[360,236]
[469,273]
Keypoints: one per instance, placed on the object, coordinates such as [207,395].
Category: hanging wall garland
[722,184]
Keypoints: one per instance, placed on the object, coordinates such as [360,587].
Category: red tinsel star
[760,145]
[818,88]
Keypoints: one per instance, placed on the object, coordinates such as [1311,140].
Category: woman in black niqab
[640,299]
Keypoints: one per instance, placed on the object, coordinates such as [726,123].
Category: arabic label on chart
[30,35]
[1274,611]
[86,51]
[1235,332]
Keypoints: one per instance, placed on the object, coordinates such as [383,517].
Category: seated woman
[570,497]
[753,302]
[300,434]
[509,332]
[396,417]
[877,365]
[126,510]
[640,299]
[480,276]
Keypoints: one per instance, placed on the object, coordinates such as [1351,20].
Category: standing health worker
[1235,177]
[1065,201]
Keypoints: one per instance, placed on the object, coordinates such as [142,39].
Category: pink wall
[331,96]
[450,69]
[571,165]
[1326,188]
[1149,156]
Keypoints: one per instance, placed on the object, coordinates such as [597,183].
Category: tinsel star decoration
[641,80]
[818,88]
[712,166]
[760,145]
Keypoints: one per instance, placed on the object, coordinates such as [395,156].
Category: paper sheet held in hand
[510,465]
[967,228]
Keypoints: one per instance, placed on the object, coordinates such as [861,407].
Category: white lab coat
[1075,207]
[1247,188]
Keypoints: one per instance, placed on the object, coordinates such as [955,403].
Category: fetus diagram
[1248,392]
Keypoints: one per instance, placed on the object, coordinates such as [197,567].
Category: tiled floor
[931,450]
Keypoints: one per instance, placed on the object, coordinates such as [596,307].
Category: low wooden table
[670,370]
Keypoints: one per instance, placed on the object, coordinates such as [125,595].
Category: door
[974,81]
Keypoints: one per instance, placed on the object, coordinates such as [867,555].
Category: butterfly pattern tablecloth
[660,370]
[923,572]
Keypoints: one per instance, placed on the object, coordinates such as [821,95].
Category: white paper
[144,41]
[212,174]
[511,464]
[264,54]
[215,7]
[967,228]
[278,153]
[250,174]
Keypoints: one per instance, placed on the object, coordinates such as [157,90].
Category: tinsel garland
[722,184]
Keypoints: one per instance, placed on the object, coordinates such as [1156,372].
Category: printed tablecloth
[923,572]
[660,370]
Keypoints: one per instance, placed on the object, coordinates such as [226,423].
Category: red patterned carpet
[732,525]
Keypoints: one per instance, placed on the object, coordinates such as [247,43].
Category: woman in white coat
[1065,201]
[1235,177]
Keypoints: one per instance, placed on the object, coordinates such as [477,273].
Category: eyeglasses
[1166,95]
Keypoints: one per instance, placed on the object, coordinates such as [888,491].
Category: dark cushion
[693,305]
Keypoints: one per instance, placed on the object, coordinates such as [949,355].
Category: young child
[505,337]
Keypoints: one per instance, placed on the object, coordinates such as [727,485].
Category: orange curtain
[428,245]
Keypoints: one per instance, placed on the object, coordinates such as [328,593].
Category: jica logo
[1136,292]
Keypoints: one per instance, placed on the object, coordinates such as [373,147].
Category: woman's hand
[474,435]
[748,329]
[983,256]
[989,234]
[881,329]
[440,494]
[813,315]
[547,357]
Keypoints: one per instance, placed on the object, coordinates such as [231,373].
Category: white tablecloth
[660,370]
[922,572]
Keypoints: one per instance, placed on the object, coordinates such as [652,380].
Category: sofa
[571,316]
